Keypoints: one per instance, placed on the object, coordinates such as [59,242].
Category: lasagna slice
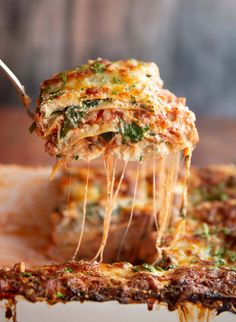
[117,108]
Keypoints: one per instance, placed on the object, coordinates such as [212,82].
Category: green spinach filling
[73,114]
[131,132]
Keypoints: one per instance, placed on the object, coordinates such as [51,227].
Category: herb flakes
[116,80]
[26,274]
[148,268]
[98,67]
[206,231]
[63,77]
[68,270]
[59,295]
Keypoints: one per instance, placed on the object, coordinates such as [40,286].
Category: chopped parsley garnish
[116,80]
[225,230]
[76,157]
[59,295]
[26,274]
[63,77]
[232,256]
[98,67]
[148,268]
[54,92]
[81,68]
[220,252]
[148,75]
[218,262]
[68,270]
[132,132]
[32,127]
[206,231]
[108,136]
[209,194]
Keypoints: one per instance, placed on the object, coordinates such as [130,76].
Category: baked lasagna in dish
[127,232]
[200,269]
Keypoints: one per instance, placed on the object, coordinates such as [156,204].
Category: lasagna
[119,111]
[118,108]
[199,271]
[209,228]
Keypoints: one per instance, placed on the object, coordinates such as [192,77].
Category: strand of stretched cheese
[180,225]
[166,193]
[119,184]
[69,189]
[84,213]
[56,167]
[176,166]
[154,200]
[132,210]
[192,312]
[187,162]
[111,170]
[142,191]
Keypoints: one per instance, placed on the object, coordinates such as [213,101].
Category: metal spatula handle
[25,99]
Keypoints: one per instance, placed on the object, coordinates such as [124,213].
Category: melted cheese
[167,183]
[189,312]
[120,80]
[84,213]
[132,209]
[110,166]
[124,98]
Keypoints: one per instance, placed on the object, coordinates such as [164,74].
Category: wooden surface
[192,41]
[217,140]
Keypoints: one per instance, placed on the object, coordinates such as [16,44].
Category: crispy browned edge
[80,281]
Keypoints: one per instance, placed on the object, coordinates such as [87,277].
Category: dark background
[192,41]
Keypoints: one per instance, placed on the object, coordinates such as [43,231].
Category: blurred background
[192,41]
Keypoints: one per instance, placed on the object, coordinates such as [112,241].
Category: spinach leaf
[132,132]
[108,136]
[74,113]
